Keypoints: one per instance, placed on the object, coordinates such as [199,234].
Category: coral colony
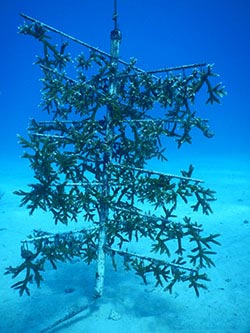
[89,159]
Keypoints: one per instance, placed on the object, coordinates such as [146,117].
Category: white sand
[127,305]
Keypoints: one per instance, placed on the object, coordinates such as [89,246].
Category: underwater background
[158,34]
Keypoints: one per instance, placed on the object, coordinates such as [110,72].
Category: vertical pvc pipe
[104,209]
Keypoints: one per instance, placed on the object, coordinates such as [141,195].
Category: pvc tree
[106,120]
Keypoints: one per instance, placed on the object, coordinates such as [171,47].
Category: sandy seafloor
[127,305]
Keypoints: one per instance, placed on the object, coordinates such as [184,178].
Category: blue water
[159,34]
